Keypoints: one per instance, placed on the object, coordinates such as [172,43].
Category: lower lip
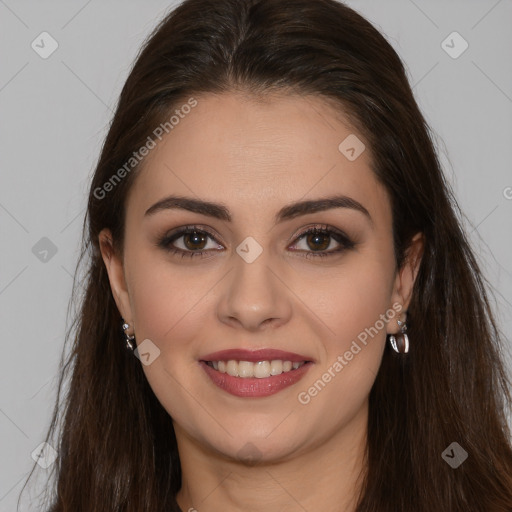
[252,386]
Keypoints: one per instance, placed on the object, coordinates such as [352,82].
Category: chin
[251,449]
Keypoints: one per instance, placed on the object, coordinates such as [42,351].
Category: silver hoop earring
[400,341]
[130,340]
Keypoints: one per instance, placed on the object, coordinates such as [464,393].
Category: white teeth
[276,367]
[232,368]
[260,369]
[245,369]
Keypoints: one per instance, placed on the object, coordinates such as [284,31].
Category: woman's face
[249,280]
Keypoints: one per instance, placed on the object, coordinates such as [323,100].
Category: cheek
[169,305]
[352,302]
[167,301]
[350,298]
[355,304]
[362,297]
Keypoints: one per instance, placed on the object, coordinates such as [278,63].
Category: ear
[406,276]
[115,270]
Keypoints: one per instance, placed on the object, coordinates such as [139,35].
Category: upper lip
[266,354]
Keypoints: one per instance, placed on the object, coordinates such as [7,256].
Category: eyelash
[338,236]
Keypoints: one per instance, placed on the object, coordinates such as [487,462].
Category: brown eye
[189,241]
[321,241]
[318,241]
[195,240]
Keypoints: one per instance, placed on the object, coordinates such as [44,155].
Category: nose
[254,296]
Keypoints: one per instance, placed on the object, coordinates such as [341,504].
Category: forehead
[258,154]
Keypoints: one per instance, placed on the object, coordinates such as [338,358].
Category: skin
[256,157]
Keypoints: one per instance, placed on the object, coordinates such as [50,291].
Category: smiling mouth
[258,369]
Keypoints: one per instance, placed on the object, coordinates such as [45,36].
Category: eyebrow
[288,212]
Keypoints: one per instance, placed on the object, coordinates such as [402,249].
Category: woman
[281,310]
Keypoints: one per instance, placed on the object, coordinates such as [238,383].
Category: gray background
[54,115]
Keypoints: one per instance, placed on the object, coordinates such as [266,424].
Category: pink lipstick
[255,373]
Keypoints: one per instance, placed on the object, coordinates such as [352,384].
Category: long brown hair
[116,444]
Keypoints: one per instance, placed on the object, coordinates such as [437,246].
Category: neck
[326,476]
